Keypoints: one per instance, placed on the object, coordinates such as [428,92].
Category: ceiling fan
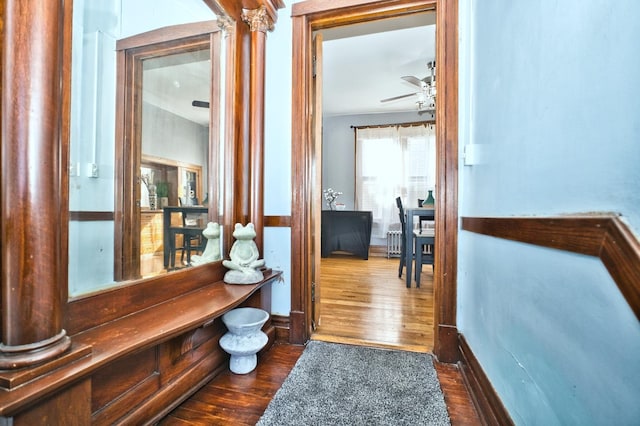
[426,95]
[200,104]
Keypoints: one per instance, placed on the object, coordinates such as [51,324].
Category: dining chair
[420,243]
[424,251]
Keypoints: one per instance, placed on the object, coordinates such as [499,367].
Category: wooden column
[32,294]
[259,23]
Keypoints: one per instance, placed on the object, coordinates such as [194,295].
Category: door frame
[313,15]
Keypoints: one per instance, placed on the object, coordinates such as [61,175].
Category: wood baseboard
[281,323]
[484,397]
[446,345]
[378,251]
[298,334]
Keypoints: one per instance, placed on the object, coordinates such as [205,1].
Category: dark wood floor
[232,399]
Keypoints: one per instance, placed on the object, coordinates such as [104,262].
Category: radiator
[394,244]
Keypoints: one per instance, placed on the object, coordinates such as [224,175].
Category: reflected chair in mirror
[422,247]
[192,239]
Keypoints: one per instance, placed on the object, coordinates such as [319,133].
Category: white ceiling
[174,82]
[364,63]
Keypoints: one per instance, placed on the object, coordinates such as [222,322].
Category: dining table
[168,239]
[411,212]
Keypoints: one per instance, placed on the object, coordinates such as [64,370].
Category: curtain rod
[412,124]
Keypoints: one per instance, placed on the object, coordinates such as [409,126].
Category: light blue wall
[277,255]
[277,153]
[549,91]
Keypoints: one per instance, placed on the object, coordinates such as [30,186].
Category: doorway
[368,74]
[312,16]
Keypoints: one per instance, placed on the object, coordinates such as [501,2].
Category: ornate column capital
[258,19]
[225,23]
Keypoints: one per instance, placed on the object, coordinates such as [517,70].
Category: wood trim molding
[605,236]
[313,15]
[446,262]
[357,7]
[484,397]
[168,34]
[300,178]
[297,328]
[87,216]
[281,324]
[447,335]
[277,221]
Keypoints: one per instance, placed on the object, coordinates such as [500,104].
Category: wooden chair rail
[90,216]
[605,236]
[116,339]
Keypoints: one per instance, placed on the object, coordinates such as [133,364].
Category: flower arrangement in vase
[330,196]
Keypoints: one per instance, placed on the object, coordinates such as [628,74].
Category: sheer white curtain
[390,162]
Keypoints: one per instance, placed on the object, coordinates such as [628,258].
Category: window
[393,161]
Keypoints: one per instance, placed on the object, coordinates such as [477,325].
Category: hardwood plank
[456,397]
[238,399]
[365,303]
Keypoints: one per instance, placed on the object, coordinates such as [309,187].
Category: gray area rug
[334,384]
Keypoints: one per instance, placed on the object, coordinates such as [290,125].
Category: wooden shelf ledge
[98,346]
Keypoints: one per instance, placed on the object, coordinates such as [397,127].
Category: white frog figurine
[211,251]
[244,263]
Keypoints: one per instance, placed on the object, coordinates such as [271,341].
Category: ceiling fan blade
[413,80]
[200,104]
[427,79]
[397,97]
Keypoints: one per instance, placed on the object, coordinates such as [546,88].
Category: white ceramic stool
[244,338]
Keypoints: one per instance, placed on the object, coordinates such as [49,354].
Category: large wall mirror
[146,147]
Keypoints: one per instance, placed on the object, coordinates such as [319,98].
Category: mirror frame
[131,52]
